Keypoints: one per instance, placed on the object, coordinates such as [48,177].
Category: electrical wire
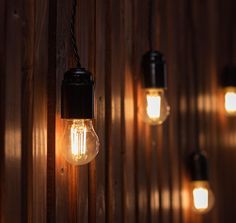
[150,24]
[193,38]
[72,32]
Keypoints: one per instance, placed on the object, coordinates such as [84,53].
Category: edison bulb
[202,196]
[80,141]
[156,108]
[230,101]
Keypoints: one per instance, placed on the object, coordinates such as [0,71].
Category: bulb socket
[154,70]
[198,166]
[228,77]
[77,94]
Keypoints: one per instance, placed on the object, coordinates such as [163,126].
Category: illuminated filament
[200,198]
[153,106]
[78,141]
[230,102]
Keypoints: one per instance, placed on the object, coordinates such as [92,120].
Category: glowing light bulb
[230,101]
[80,142]
[202,196]
[157,108]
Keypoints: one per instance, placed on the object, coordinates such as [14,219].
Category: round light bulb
[80,142]
[156,106]
[230,101]
[202,196]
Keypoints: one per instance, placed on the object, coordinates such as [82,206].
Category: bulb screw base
[228,77]
[77,94]
[198,166]
[154,70]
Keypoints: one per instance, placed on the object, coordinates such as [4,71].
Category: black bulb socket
[228,77]
[77,94]
[198,166]
[154,70]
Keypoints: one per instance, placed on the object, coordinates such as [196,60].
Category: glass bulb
[80,141]
[156,107]
[230,101]
[202,196]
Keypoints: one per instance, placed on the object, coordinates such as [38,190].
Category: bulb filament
[78,142]
[230,102]
[153,106]
[200,198]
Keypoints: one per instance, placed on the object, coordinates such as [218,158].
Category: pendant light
[80,143]
[201,193]
[229,86]
[156,108]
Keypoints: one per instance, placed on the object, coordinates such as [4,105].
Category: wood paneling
[140,174]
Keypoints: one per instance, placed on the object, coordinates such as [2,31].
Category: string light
[201,193]
[229,85]
[156,106]
[80,143]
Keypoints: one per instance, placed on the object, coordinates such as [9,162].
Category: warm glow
[156,108]
[230,102]
[80,143]
[200,198]
[153,106]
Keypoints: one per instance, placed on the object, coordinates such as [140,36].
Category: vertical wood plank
[184,117]
[27,110]
[128,110]
[100,72]
[39,147]
[171,48]
[51,22]
[2,98]
[115,168]
[12,174]
[108,107]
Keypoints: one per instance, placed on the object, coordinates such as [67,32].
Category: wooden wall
[139,175]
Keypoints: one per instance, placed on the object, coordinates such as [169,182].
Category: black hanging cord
[150,25]
[193,34]
[72,32]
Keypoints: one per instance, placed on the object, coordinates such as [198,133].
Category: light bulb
[156,108]
[80,141]
[230,101]
[202,196]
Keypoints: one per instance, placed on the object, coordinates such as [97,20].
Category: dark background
[139,175]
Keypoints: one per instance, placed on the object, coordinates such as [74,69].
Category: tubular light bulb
[157,108]
[80,141]
[202,196]
[230,101]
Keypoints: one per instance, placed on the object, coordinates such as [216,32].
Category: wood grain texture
[140,173]
[50,48]
[2,98]
[27,94]
[12,174]
[39,148]
[100,105]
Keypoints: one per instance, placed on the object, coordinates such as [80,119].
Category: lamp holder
[198,166]
[228,77]
[154,70]
[77,94]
